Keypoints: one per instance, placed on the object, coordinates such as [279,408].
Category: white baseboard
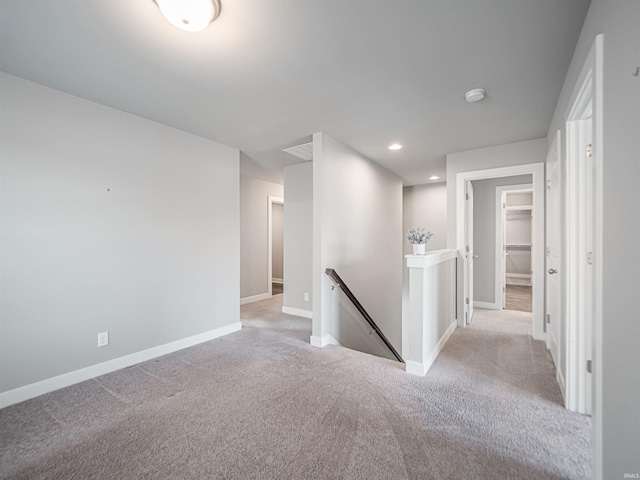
[486,305]
[277,280]
[421,369]
[49,385]
[322,342]
[415,368]
[297,312]
[255,298]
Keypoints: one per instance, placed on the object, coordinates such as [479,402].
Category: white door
[553,251]
[469,257]
[589,247]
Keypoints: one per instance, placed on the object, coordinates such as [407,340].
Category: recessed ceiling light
[190,15]
[395,146]
[434,177]
[474,95]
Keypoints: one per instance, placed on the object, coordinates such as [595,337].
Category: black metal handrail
[339,283]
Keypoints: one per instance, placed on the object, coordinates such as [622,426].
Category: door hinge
[466,196]
[589,150]
[589,258]
[548,318]
[589,366]
[466,300]
[504,205]
[467,249]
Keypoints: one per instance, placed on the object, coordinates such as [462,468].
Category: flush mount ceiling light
[190,15]
[474,95]
[395,146]
[434,177]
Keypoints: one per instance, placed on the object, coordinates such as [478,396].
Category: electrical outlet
[306,297]
[103,339]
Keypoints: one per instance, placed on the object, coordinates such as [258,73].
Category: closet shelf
[518,245]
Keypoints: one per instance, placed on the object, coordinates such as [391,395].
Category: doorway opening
[533,173]
[514,234]
[275,247]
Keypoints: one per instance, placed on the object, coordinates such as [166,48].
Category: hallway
[262,403]
[490,402]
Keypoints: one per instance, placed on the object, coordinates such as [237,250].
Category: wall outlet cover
[103,339]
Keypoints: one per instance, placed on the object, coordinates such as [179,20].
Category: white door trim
[270,201]
[587,93]
[499,294]
[537,251]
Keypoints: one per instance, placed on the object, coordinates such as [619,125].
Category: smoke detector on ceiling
[304,151]
[474,95]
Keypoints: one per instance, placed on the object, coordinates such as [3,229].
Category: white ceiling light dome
[190,15]
[474,95]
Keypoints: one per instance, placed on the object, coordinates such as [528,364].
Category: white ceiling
[267,74]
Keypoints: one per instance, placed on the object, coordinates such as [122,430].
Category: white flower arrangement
[417,236]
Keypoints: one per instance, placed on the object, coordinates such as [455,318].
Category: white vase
[418,248]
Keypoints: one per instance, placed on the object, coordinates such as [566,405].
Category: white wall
[484,234]
[277,235]
[298,236]
[254,257]
[422,206]
[357,210]
[617,418]
[110,222]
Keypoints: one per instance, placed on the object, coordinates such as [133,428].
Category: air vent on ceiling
[304,151]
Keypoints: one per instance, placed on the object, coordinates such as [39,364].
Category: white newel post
[431,319]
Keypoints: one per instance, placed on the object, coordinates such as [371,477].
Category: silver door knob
[475,256]
[552,271]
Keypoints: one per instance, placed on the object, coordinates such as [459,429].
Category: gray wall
[358,232]
[277,234]
[484,234]
[425,206]
[422,206]
[620,419]
[254,259]
[298,236]
[110,222]
[521,153]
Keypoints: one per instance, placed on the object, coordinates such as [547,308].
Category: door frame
[587,89]
[583,297]
[537,250]
[500,264]
[270,201]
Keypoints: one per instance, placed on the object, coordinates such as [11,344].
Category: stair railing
[337,281]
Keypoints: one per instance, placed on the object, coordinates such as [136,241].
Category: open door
[469,255]
[553,258]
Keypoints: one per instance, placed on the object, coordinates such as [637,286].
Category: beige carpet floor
[263,404]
